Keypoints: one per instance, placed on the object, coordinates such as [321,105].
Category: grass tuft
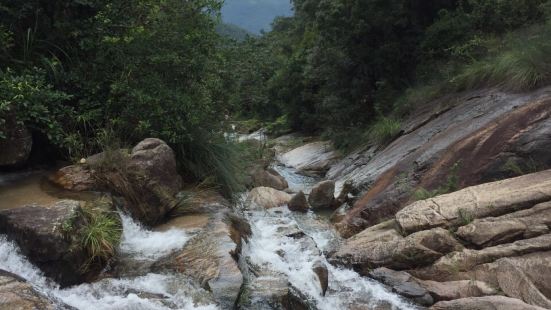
[100,234]
[384,130]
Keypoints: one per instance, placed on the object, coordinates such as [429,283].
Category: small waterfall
[149,291]
[346,287]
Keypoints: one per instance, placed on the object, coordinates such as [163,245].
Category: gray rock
[322,195]
[47,236]
[16,293]
[321,271]
[299,203]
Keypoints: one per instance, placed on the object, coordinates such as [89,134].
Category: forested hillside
[80,73]
[352,69]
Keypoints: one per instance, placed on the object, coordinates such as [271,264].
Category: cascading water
[148,291]
[271,248]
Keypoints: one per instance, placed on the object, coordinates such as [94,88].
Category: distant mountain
[255,15]
[233,31]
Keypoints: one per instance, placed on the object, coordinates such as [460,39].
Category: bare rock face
[484,303]
[366,251]
[485,132]
[457,289]
[48,237]
[299,203]
[267,198]
[269,178]
[16,293]
[17,146]
[322,195]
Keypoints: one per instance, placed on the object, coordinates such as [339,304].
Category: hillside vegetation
[81,73]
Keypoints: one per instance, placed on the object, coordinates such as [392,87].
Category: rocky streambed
[255,254]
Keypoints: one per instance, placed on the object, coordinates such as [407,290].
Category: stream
[273,259]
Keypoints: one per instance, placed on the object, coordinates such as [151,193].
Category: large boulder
[510,227]
[299,203]
[156,161]
[267,198]
[208,258]
[146,178]
[322,195]
[269,178]
[484,303]
[490,199]
[311,158]
[17,145]
[365,251]
[457,289]
[51,237]
[16,293]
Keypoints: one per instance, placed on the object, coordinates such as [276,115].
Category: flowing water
[272,248]
[148,291]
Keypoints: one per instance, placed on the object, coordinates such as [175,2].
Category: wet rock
[490,199]
[320,269]
[16,293]
[267,198]
[522,224]
[312,158]
[299,203]
[48,236]
[484,303]
[480,130]
[366,250]
[17,146]
[322,195]
[75,178]
[208,259]
[339,214]
[269,178]
[403,284]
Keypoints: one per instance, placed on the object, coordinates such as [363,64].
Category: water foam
[265,246]
[150,291]
[145,244]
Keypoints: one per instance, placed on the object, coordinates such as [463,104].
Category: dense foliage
[140,68]
[340,65]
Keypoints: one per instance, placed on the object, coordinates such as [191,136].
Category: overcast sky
[254,15]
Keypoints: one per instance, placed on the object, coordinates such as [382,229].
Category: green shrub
[32,102]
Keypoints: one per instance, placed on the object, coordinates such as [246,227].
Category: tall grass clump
[213,158]
[523,64]
[100,235]
[384,130]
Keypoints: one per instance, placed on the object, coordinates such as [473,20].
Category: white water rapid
[148,291]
